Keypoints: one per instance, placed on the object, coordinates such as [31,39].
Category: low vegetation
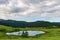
[51,34]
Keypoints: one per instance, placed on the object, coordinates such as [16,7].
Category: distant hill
[24,24]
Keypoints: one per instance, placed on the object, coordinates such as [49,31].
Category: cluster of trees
[24,34]
[24,24]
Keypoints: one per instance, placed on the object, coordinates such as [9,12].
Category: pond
[30,33]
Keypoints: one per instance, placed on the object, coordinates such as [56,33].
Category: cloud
[17,10]
[3,2]
[22,8]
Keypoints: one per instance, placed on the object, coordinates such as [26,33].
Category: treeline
[24,24]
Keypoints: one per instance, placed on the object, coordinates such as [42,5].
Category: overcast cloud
[23,8]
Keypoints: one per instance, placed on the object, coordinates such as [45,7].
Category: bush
[2,30]
[24,34]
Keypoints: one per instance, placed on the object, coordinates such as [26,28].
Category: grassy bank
[51,34]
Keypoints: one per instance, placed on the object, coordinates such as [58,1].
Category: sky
[30,10]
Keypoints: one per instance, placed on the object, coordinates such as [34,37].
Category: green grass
[51,34]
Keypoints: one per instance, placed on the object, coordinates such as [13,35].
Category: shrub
[24,34]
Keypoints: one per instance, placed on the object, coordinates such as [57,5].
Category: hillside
[14,23]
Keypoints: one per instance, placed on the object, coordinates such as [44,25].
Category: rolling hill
[24,24]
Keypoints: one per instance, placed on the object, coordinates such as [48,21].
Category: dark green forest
[23,24]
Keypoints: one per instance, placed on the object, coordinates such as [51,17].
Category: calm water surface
[30,33]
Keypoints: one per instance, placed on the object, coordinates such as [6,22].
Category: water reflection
[30,33]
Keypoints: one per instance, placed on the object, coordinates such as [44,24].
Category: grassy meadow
[51,34]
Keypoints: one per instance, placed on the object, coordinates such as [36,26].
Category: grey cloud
[18,10]
[45,9]
[33,1]
[39,9]
[4,1]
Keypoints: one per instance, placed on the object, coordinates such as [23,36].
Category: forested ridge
[14,23]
